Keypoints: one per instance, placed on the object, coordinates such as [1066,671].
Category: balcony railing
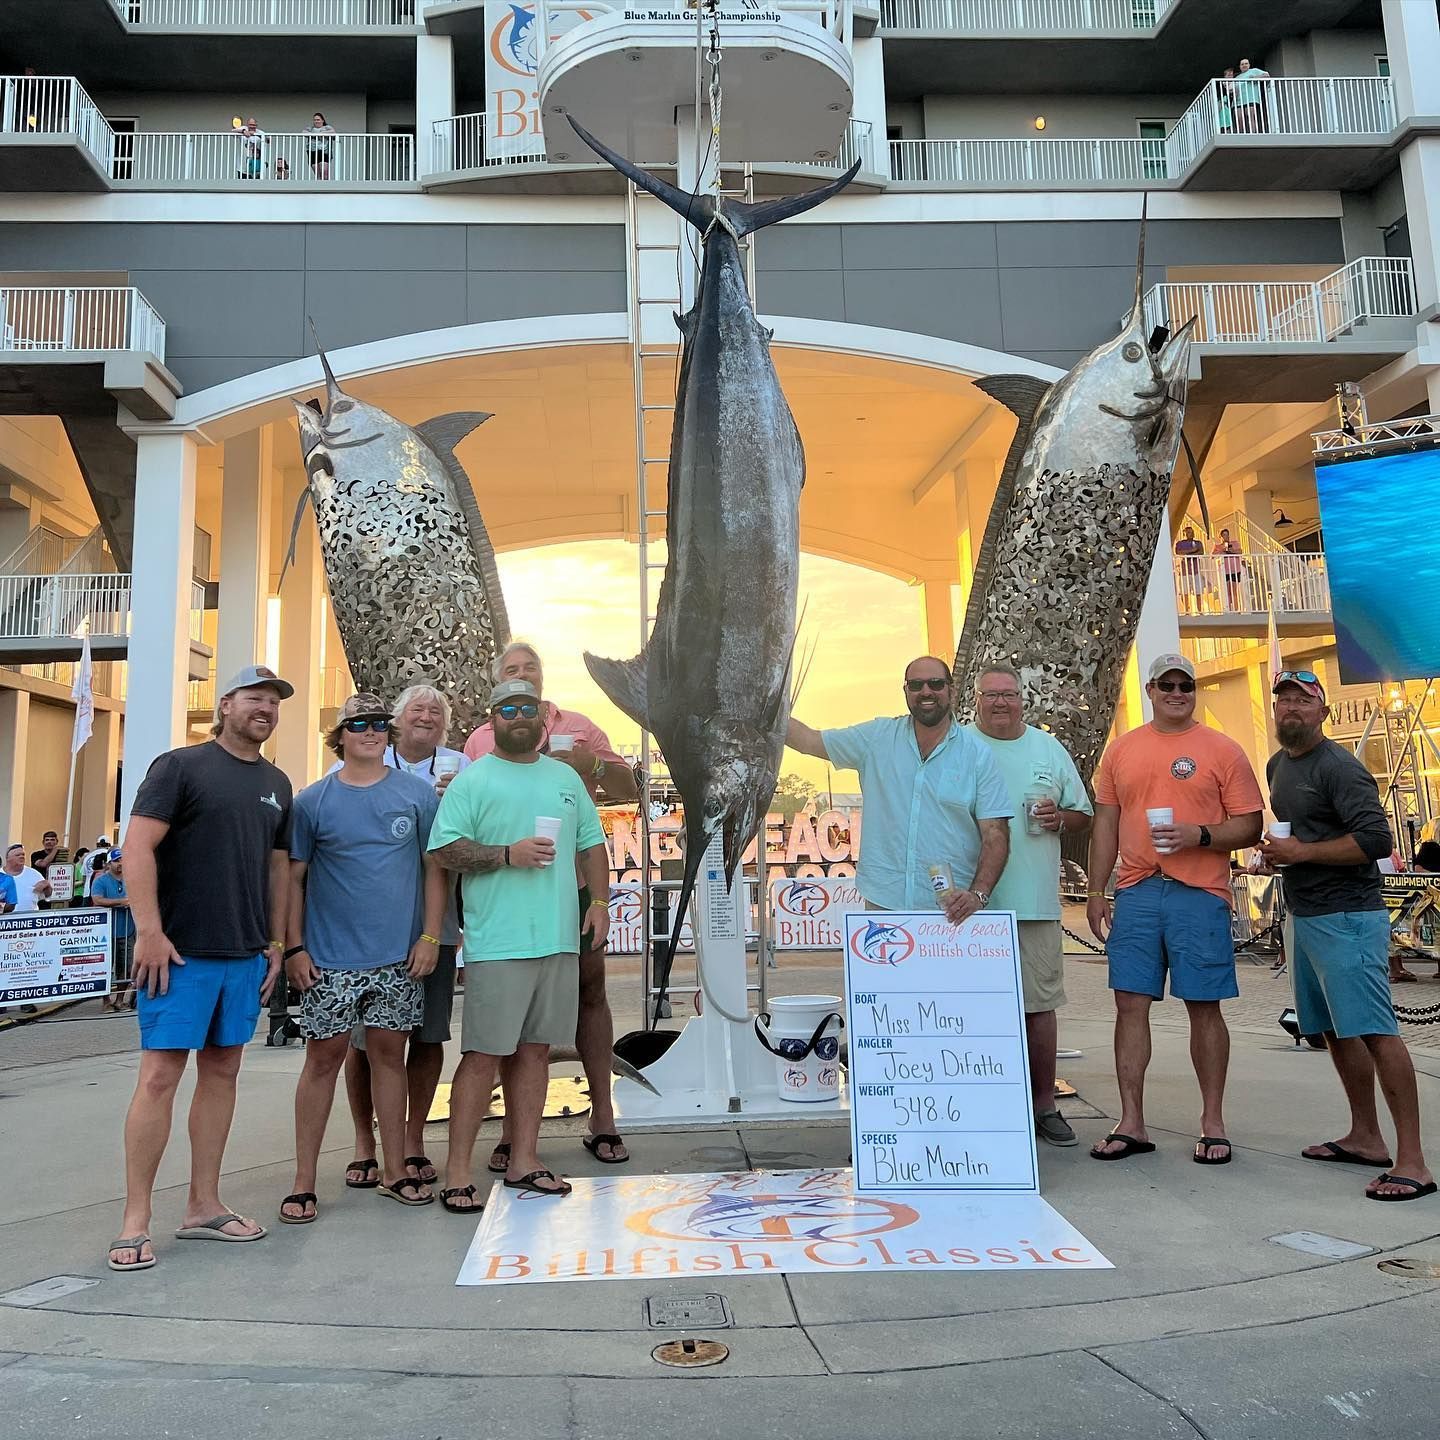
[289,160]
[56,607]
[319,16]
[78,317]
[1250,584]
[1323,105]
[1005,17]
[54,106]
[983,163]
[1288,311]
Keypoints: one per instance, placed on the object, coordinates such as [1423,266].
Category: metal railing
[1249,584]
[42,552]
[1005,17]
[45,607]
[982,163]
[267,15]
[78,317]
[1288,311]
[54,105]
[291,159]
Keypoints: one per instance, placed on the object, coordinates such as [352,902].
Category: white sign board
[657,1227]
[53,955]
[939,1080]
[62,881]
[626,922]
[809,914]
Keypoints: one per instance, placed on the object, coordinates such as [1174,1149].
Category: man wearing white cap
[206,859]
[1172,799]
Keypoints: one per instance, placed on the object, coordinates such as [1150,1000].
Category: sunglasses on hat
[1298,677]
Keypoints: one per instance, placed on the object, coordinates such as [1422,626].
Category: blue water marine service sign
[53,955]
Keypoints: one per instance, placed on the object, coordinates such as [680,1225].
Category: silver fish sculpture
[410,565]
[713,684]
[1070,541]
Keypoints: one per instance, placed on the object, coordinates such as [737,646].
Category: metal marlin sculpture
[713,684]
[411,568]
[1068,549]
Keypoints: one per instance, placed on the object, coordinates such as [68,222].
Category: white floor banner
[647,1227]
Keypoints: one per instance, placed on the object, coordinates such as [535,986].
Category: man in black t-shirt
[206,860]
[1341,934]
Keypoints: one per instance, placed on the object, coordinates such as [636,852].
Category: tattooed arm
[469,857]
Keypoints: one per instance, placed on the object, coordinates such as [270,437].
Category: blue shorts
[209,1002]
[1341,972]
[1164,924]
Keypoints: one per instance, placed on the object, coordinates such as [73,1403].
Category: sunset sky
[865,627]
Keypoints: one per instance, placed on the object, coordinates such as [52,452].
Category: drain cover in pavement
[690,1354]
[1410,1269]
[1329,1247]
[688,1312]
[44,1290]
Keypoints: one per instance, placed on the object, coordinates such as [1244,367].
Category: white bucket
[802,1032]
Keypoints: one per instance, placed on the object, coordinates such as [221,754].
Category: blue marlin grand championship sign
[54,955]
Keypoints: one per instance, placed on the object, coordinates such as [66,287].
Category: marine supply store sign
[53,955]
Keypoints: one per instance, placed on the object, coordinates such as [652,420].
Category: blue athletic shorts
[1162,924]
[209,1002]
[1340,967]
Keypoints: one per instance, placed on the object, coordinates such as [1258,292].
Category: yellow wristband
[276,945]
[599,904]
[1094,894]
[430,939]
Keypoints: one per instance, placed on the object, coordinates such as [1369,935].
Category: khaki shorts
[1042,965]
[520,1002]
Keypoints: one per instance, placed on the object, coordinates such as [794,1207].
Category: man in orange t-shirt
[1172,799]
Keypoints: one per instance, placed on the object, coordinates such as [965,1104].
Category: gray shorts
[387,999]
[439,1000]
[520,1002]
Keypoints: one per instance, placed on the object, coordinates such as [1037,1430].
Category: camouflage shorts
[384,999]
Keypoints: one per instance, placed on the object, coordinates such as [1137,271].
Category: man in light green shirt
[514,825]
[1050,801]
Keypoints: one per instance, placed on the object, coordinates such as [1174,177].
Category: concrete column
[95,779]
[158,678]
[14,742]
[974,494]
[297,741]
[1159,630]
[1260,513]
[1412,45]
[939,619]
[434,92]
[245,524]
[1240,708]
[868,106]
[1432,391]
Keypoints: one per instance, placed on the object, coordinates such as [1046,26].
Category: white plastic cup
[1280,829]
[1161,815]
[446,765]
[561,744]
[547,827]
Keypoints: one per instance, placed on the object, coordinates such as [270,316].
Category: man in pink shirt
[582,744]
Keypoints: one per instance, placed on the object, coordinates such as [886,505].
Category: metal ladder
[654,298]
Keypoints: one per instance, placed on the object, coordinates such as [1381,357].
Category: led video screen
[1382,553]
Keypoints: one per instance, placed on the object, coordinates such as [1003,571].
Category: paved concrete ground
[354,1327]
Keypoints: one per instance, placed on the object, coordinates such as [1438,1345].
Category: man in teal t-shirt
[1050,800]
[516,825]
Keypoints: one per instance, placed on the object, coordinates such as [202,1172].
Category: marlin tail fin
[626,682]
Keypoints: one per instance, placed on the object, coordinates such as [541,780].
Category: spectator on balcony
[1232,571]
[1191,570]
[320,145]
[1225,102]
[1250,88]
[282,168]
[253,141]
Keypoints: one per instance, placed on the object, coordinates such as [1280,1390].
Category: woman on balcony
[320,145]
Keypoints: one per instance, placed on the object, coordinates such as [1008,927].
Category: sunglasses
[509,712]
[1302,677]
[916,686]
[1185,687]
[360,725]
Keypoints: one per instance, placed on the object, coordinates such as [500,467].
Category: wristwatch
[1204,836]
[983,896]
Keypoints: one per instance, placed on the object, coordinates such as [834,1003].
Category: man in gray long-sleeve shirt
[1341,929]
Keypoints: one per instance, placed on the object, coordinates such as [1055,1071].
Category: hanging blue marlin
[412,572]
[713,684]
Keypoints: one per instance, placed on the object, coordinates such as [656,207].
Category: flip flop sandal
[1204,1143]
[448,1196]
[211,1230]
[366,1168]
[502,1152]
[1418,1191]
[1131,1146]
[130,1242]
[593,1143]
[304,1198]
[1339,1155]
[527,1182]
[423,1162]
[398,1190]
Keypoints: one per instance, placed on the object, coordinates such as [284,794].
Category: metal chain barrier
[1425,1015]
[1080,940]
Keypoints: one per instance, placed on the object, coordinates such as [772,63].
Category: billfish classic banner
[809,914]
[54,955]
[649,1227]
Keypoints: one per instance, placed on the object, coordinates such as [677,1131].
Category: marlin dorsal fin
[306,498]
[626,682]
[1019,394]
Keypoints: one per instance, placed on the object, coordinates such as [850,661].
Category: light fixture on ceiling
[1039,122]
[1282,519]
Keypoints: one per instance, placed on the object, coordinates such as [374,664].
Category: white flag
[83,694]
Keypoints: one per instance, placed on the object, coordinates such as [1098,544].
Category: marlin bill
[713,684]
[1070,541]
[410,566]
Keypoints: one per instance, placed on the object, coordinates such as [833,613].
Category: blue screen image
[1383,558]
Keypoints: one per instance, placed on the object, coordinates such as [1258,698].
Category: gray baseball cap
[513,690]
[253,675]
